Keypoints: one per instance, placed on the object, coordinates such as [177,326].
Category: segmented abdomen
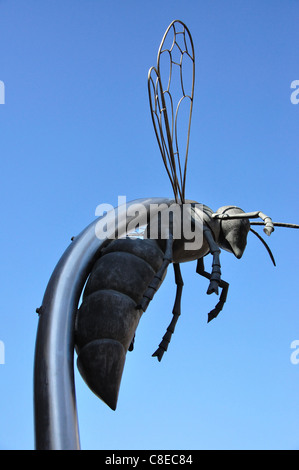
[107,318]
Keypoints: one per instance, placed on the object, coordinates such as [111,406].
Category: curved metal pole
[54,391]
[56,424]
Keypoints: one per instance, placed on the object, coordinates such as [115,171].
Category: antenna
[265,244]
[277,224]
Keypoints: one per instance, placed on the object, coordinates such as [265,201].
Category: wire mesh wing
[171,91]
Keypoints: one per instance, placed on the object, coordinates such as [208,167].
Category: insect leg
[131,347]
[176,313]
[215,276]
[158,278]
[200,269]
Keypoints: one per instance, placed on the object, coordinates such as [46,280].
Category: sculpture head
[233,231]
[235,225]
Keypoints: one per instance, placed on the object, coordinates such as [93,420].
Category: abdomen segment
[107,318]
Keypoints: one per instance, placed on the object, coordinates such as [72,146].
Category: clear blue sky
[76,132]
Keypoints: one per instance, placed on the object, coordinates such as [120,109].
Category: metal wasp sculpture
[129,271]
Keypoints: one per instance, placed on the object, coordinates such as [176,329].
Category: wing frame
[165,120]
